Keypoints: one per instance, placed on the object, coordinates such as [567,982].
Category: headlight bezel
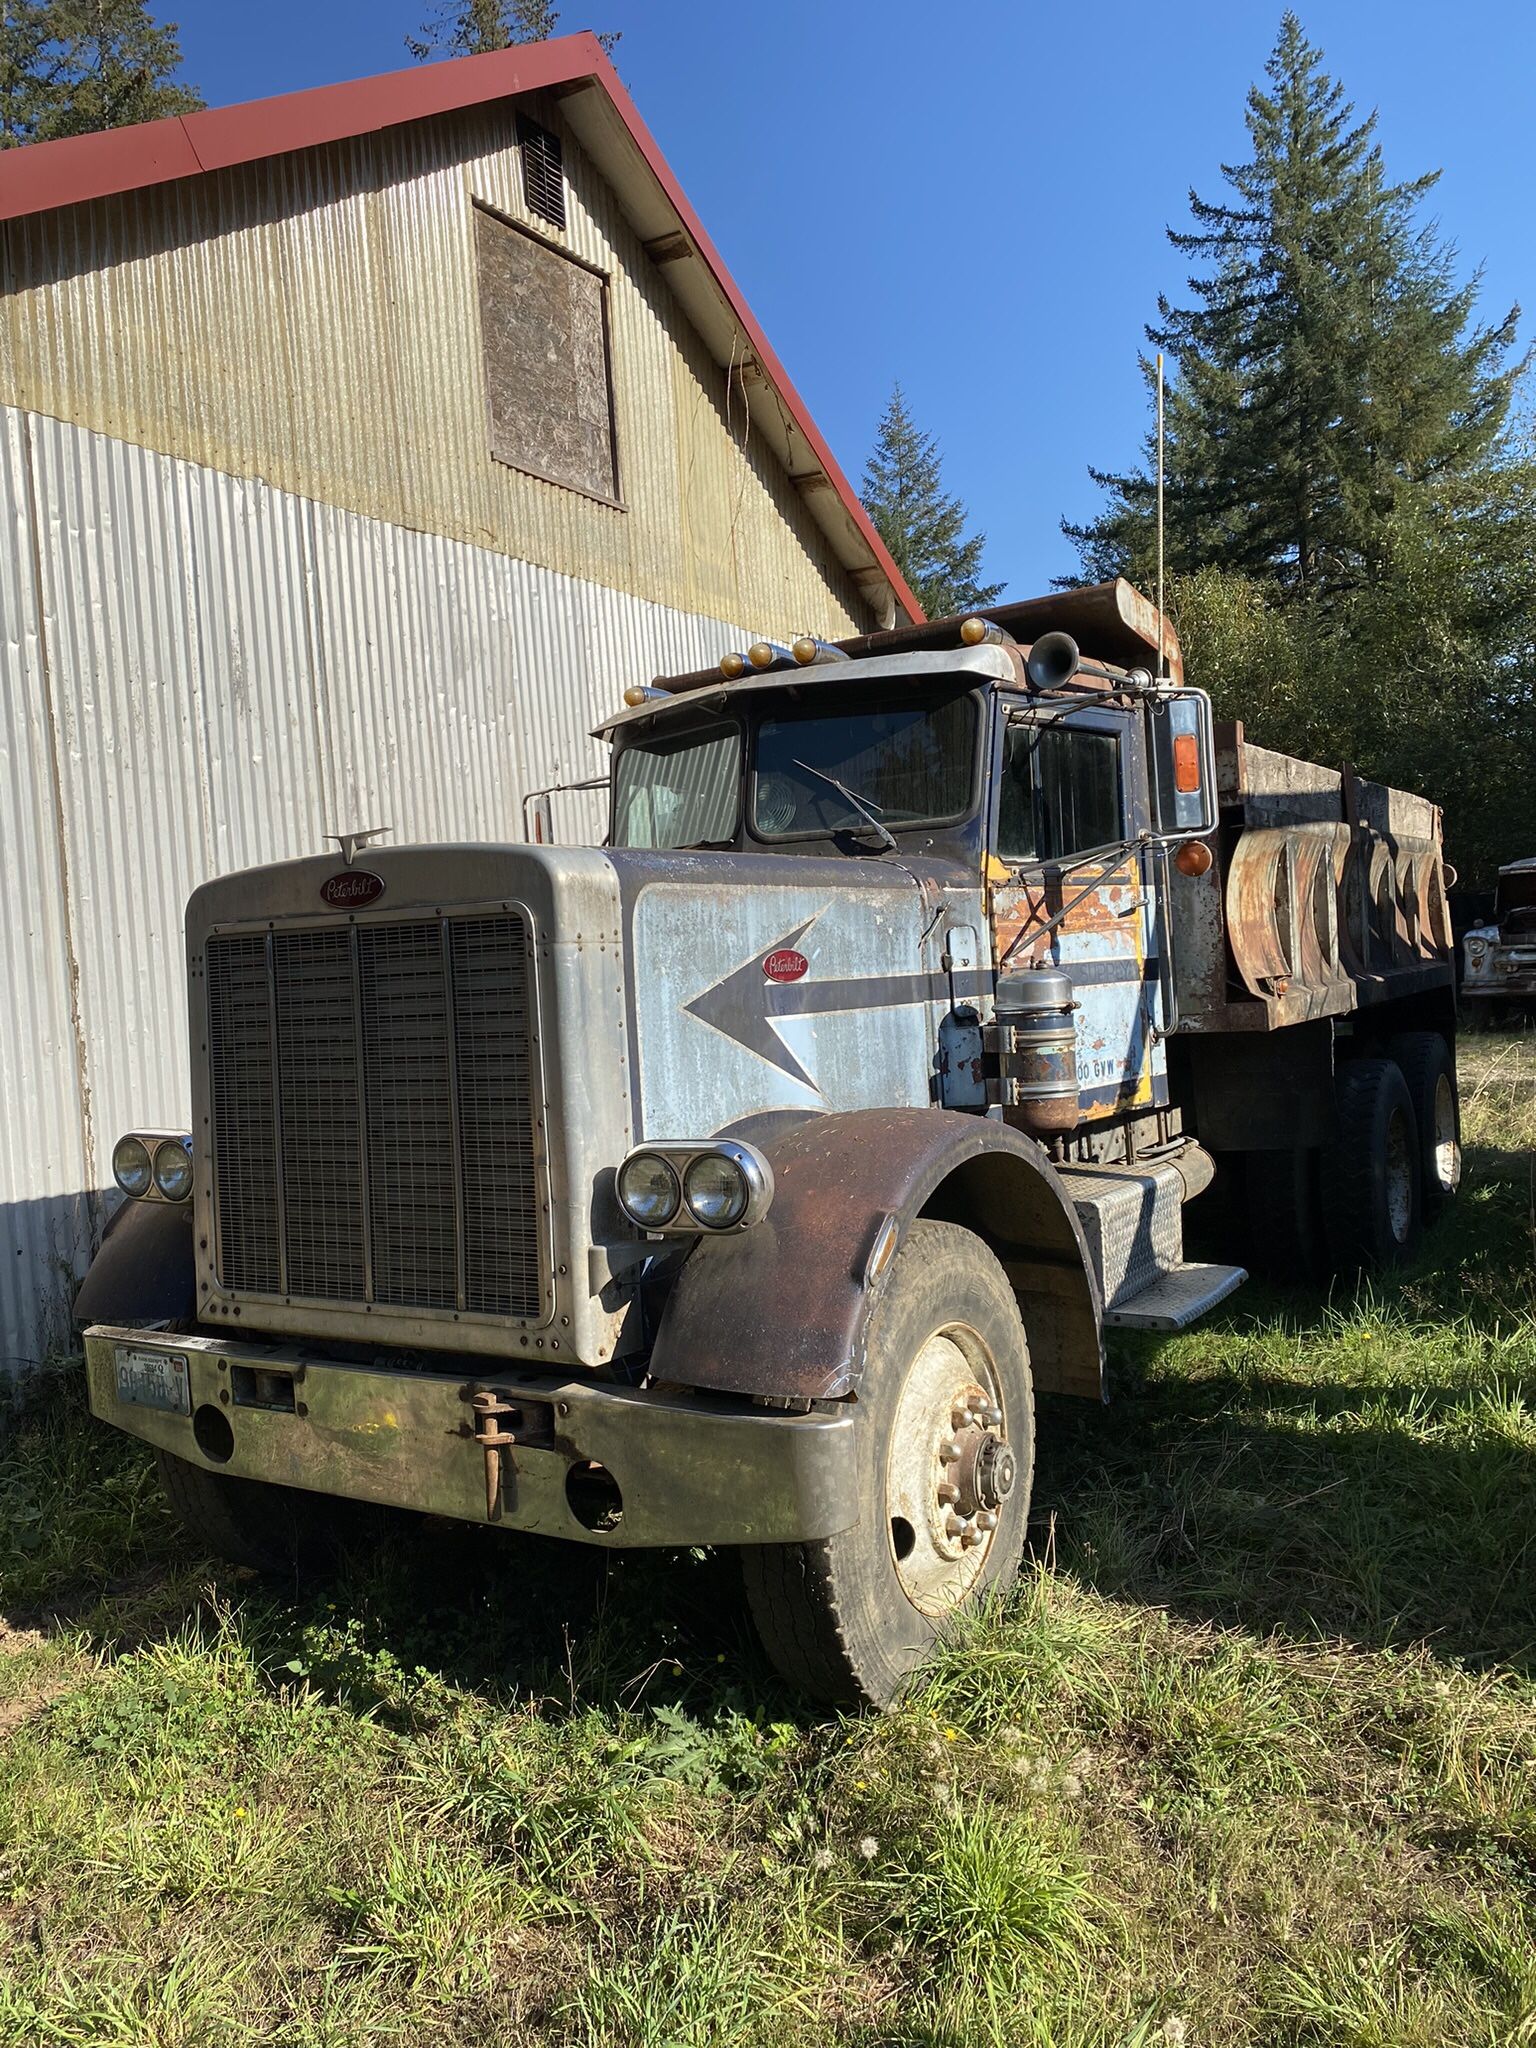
[681,1157]
[151,1144]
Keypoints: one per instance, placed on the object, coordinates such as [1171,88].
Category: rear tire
[1369,1176]
[849,1619]
[274,1529]
[1285,1231]
[1429,1067]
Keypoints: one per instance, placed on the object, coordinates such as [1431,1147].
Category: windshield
[682,790]
[911,764]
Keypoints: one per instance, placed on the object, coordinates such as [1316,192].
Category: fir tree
[904,495]
[69,67]
[1327,377]
[469,28]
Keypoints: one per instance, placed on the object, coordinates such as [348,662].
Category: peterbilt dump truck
[740,1182]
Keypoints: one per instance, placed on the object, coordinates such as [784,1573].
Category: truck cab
[741,1180]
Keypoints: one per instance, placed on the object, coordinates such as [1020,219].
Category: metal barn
[356,449]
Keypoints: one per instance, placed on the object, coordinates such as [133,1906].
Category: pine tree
[469,28]
[70,67]
[1326,375]
[904,495]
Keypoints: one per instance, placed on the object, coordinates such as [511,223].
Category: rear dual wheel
[946,1462]
[1370,1178]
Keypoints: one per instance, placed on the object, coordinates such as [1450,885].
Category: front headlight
[672,1185]
[131,1167]
[648,1190]
[173,1168]
[716,1191]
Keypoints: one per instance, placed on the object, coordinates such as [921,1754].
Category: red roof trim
[66,173]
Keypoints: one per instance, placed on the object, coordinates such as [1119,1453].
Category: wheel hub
[1447,1144]
[1399,1178]
[950,1472]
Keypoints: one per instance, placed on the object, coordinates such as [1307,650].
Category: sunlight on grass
[1247,1757]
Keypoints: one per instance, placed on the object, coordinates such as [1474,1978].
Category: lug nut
[949,1493]
[992,1417]
[957,1526]
[976,1402]
[972,1536]
[986,1520]
[949,1451]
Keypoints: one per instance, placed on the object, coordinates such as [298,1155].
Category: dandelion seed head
[868,1847]
[1175,2031]
[1071,1786]
[822,1859]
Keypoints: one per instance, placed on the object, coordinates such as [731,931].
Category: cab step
[1133,1224]
[1176,1299]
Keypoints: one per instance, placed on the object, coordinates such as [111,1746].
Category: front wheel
[946,1464]
[273,1529]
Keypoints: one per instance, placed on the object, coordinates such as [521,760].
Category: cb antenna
[1162,656]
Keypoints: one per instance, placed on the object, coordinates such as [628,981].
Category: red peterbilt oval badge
[350,890]
[786,965]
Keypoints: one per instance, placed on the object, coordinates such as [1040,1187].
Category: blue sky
[972,198]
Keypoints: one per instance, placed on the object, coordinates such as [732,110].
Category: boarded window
[548,379]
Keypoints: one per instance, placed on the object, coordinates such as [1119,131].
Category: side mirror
[1181,751]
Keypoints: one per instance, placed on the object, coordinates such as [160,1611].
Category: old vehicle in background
[741,1181]
[1499,971]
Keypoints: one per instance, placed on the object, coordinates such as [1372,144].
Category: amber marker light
[976,632]
[1194,859]
[733,665]
[809,651]
[636,694]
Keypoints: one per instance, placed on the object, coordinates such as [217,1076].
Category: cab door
[1072,889]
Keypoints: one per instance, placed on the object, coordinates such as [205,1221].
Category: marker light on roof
[733,665]
[766,654]
[977,632]
[809,651]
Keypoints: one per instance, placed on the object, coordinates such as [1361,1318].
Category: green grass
[1249,1756]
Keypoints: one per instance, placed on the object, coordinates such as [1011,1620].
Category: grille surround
[376,1117]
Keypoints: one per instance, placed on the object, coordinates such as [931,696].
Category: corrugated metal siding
[204,673]
[45,1216]
[312,320]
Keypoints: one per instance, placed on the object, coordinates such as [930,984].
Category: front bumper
[689,1469]
[1515,986]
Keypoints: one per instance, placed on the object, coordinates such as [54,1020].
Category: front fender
[145,1271]
[781,1310]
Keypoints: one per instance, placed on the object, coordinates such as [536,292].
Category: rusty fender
[780,1311]
[144,1271]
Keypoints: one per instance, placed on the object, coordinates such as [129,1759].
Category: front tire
[274,1529]
[946,1464]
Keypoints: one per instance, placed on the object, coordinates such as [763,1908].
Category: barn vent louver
[543,171]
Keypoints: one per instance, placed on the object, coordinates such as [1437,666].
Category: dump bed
[1327,895]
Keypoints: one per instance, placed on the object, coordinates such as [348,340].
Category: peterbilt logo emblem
[348,891]
[786,965]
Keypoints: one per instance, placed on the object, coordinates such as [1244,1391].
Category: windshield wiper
[862,805]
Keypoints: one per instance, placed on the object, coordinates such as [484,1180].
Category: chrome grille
[372,1107]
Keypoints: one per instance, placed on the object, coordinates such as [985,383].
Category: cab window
[1062,791]
[681,790]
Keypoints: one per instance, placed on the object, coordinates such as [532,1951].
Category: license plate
[154,1379]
